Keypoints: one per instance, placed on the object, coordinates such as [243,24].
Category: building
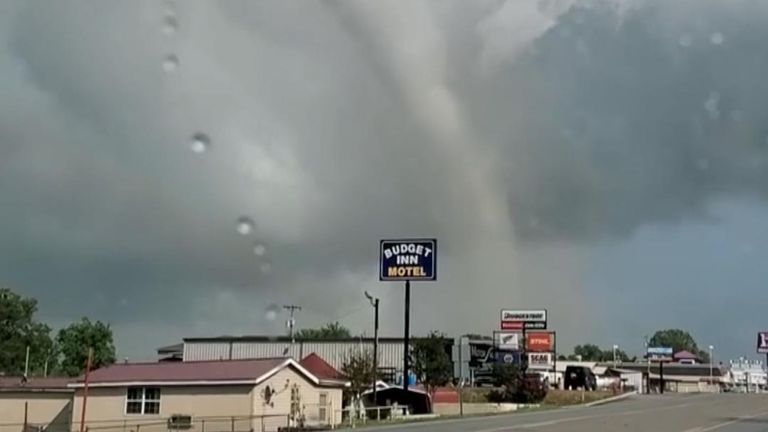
[320,368]
[334,351]
[251,395]
[680,377]
[744,375]
[686,357]
[47,402]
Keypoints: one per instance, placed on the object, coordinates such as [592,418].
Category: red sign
[511,325]
[539,341]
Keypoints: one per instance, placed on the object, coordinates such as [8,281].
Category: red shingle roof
[196,371]
[685,355]
[320,368]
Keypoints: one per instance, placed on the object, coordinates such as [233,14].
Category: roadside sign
[507,357]
[540,359]
[507,340]
[762,342]
[461,370]
[523,319]
[460,352]
[660,353]
[540,341]
[408,259]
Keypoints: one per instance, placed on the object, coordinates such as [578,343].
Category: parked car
[577,377]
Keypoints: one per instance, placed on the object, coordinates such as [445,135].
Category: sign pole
[461,377]
[661,377]
[523,357]
[554,359]
[406,335]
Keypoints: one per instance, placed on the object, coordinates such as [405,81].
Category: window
[323,402]
[142,400]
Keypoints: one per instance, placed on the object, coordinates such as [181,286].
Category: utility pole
[375,303]
[291,322]
[88,365]
[26,365]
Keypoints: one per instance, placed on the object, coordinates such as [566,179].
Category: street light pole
[711,364]
[615,347]
[375,304]
[648,374]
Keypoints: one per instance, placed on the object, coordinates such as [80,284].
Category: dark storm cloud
[615,130]
[336,124]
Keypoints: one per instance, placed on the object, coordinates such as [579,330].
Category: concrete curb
[609,400]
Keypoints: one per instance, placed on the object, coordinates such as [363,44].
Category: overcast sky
[604,159]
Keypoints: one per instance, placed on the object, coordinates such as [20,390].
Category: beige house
[47,402]
[230,395]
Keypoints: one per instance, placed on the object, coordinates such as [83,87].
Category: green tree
[19,330]
[678,340]
[516,387]
[332,330]
[621,356]
[74,341]
[359,370]
[431,362]
[588,352]
[592,352]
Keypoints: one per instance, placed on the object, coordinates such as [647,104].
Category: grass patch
[574,397]
[475,394]
[554,397]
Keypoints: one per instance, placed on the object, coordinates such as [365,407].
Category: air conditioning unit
[179,422]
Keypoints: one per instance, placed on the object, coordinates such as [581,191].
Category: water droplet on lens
[259,249]
[271,312]
[170,25]
[200,143]
[717,38]
[245,225]
[703,164]
[685,41]
[170,63]
[711,105]
[265,267]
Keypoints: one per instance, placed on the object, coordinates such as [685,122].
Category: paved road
[654,413]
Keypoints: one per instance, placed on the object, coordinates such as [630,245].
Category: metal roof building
[334,351]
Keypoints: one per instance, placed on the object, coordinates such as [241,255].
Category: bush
[517,388]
